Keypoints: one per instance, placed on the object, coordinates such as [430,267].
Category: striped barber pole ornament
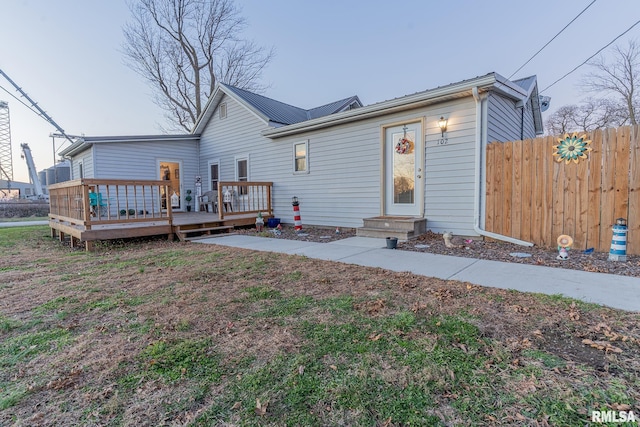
[297,221]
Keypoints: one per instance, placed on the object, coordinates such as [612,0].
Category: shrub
[23,209]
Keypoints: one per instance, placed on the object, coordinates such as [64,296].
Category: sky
[67,55]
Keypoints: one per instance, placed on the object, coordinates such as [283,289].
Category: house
[416,156]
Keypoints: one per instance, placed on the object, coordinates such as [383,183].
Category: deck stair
[402,227]
[193,231]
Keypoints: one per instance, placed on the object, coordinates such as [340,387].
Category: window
[242,172]
[300,157]
[80,170]
[222,111]
[214,175]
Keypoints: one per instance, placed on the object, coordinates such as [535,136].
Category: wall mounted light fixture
[442,124]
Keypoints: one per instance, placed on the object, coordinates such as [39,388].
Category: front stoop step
[403,228]
[188,233]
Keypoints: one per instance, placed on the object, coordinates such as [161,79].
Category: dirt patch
[570,348]
[306,234]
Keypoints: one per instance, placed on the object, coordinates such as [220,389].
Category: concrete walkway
[23,223]
[606,289]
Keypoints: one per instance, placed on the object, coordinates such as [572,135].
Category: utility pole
[6,158]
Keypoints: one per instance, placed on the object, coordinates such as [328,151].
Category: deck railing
[88,202]
[241,198]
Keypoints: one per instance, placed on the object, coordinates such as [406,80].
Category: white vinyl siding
[345,185]
[449,168]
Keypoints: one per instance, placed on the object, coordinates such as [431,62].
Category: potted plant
[188,199]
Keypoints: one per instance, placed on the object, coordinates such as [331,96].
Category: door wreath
[404,146]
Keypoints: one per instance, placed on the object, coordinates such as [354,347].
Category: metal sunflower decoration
[572,148]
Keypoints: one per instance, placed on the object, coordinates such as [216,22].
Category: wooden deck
[89,210]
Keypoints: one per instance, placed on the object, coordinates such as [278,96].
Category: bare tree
[621,78]
[561,121]
[183,47]
[590,115]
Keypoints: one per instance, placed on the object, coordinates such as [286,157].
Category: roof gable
[530,85]
[272,112]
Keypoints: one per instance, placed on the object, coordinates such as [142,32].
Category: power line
[35,105]
[22,102]
[589,58]
[554,37]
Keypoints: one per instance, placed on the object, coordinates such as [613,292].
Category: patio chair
[96,204]
[209,198]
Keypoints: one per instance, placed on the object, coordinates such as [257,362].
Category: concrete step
[417,225]
[206,236]
[404,228]
[402,235]
[183,234]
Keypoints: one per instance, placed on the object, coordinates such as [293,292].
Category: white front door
[403,170]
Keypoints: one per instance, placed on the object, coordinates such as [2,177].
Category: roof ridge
[343,100]
[262,96]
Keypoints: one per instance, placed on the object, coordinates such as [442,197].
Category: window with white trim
[242,172]
[214,175]
[301,157]
[80,170]
[222,111]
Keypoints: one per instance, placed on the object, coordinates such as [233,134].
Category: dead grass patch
[321,342]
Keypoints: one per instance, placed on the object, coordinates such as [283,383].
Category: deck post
[220,203]
[86,215]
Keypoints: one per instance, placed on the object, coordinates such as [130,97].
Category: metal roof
[284,114]
[85,142]
[526,82]
[275,111]
[489,81]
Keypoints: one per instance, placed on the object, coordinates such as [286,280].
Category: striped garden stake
[297,221]
[618,250]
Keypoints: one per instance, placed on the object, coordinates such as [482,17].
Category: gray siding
[125,160]
[504,119]
[529,127]
[343,185]
[140,160]
[86,158]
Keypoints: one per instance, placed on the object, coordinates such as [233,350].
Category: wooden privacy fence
[532,197]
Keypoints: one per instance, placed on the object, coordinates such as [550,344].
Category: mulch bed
[430,242]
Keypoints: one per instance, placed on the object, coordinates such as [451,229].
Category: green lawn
[149,332]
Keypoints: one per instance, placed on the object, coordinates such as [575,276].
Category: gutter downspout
[477,187]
